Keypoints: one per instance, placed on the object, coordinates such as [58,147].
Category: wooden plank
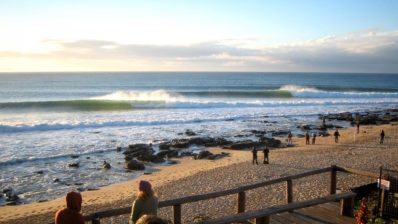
[289,191]
[241,204]
[277,209]
[289,217]
[358,172]
[333,180]
[176,214]
[321,213]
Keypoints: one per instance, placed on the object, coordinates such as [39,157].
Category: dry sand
[200,176]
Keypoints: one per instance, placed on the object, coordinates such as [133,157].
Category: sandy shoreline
[199,176]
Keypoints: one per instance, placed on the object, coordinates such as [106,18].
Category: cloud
[353,52]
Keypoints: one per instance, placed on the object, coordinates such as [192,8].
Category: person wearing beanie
[146,202]
[70,214]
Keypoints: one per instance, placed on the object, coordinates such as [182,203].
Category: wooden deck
[325,213]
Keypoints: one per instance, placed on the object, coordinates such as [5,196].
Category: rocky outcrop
[270,142]
[134,165]
[243,145]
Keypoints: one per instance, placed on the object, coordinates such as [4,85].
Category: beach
[189,177]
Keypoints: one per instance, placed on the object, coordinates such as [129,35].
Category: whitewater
[48,120]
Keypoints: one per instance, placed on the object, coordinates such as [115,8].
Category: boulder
[270,142]
[243,144]
[169,153]
[203,154]
[74,165]
[106,165]
[280,133]
[134,165]
[189,132]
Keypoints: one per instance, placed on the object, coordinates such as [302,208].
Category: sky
[202,35]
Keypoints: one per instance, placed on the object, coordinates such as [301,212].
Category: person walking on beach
[266,152]
[146,202]
[358,122]
[289,138]
[254,151]
[336,136]
[307,138]
[313,138]
[70,214]
[382,137]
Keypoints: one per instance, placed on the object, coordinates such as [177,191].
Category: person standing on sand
[382,136]
[146,202]
[313,138]
[307,138]
[266,152]
[289,138]
[358,122]
[70,214]
[336,136]
[254,151]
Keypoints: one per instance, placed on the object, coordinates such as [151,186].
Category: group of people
[265,152]
[307,138]
[143,211]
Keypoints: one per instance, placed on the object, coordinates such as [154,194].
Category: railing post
[177,214]
[333,179]
[347,206]
[289,191]
[241,202]
[262,220]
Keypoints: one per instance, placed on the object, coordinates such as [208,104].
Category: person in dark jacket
[70,214]
[307,138]
[336,136]
[254,151]
[266,153]
[382,134]
[146,202]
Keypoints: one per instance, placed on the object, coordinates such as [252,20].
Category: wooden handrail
[201,197]
[357,172]
[194,198]
[278,209]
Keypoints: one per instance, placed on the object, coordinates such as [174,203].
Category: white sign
[385,184]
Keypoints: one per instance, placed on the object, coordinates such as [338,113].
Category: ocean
[48,120]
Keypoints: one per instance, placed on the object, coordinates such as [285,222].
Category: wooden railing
[241,196]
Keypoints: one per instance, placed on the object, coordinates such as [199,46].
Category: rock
[203,154]
[280,133]
[189,132]
[134,165]
[271,142]
[306,127]
[164,146]
[106,165]
[157,159]
[74,165]
[74,156]
[169,153]
[243,144]
[137,148]
[118,149]
[180,143]
[42,200]
[88,157]
[56,180]
[39,172]
[323,133]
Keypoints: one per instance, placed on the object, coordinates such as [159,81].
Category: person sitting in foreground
[146,202]
[150,219]
[70,214]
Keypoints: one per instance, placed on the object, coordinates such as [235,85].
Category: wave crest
[156,96]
